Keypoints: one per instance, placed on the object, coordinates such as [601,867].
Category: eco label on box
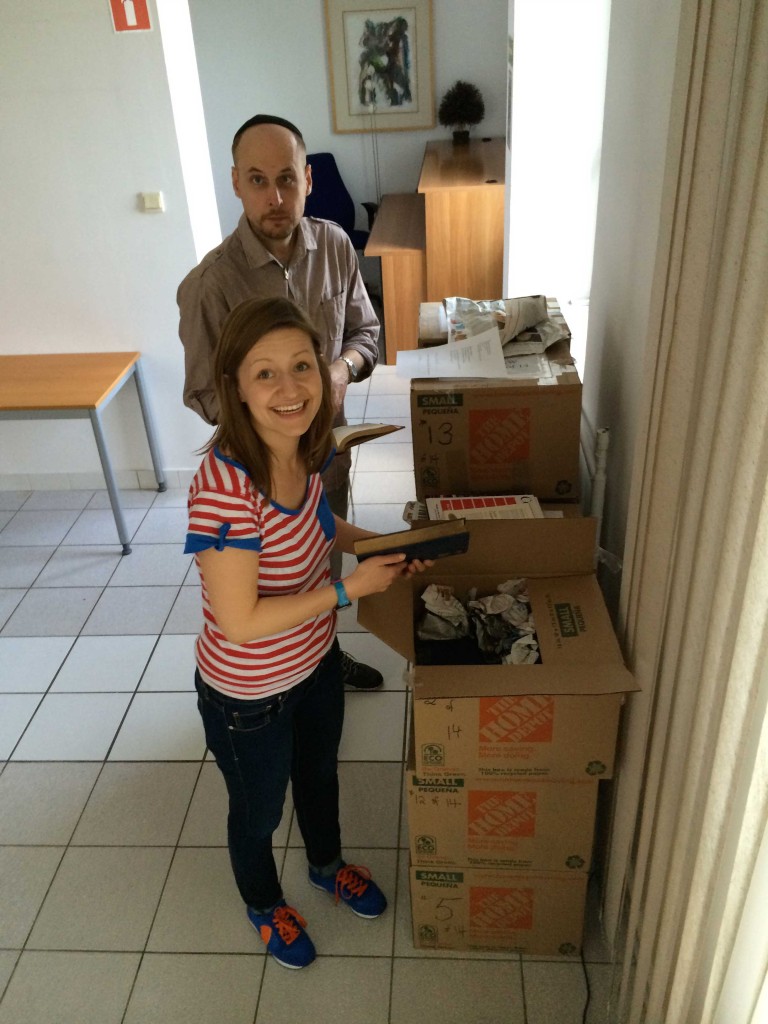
[528,719]
[497,437]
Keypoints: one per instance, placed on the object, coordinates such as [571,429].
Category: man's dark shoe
[360,676]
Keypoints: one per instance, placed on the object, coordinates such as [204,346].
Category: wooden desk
[398,238]
[78,386]
[463,189]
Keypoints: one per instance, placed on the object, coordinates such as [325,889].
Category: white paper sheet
[480,356]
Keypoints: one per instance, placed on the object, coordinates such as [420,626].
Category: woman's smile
[289,410]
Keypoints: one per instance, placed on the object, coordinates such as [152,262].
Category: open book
[434,541]
[348,436]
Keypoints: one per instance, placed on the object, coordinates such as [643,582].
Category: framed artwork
[380,64]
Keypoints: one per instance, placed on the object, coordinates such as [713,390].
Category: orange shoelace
[284,919]
[351,881]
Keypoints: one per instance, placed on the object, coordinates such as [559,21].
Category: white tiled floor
[116,896]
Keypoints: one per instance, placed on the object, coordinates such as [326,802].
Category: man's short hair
[266,119]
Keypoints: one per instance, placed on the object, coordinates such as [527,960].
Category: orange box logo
[503,815]
[502,910]
[528,719]
[499,436]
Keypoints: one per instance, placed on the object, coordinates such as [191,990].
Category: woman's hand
[416,565]
[376,574]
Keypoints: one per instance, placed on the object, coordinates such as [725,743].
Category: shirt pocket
[333,310]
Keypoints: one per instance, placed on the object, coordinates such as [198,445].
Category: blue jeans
[258,746]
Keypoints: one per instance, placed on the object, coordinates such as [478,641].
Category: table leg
[109,476]
[149,426]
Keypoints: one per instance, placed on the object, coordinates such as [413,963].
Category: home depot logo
[528,719]
[504,815]
[499,436]
[503,910]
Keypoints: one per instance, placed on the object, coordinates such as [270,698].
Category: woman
[268,676]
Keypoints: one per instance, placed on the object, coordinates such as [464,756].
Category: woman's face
[279,380]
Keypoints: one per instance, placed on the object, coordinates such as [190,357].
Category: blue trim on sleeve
[197,542]
[325,516]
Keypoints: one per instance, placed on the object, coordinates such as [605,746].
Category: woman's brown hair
[247,324]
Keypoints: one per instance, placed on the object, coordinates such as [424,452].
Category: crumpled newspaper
[511,316]
[445,617]
[537,338]
[502,622]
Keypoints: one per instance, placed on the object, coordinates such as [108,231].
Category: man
[275,250]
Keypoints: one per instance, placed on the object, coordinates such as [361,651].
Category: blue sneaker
[282,931]
[355,887]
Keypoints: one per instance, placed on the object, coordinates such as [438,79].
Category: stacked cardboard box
[513,435]
[502,777]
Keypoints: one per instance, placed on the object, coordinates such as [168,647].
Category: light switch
[152,202]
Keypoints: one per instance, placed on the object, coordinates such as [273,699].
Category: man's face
[271,179]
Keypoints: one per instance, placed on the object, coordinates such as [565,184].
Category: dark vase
[461,137]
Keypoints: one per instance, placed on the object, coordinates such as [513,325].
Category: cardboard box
[557,719]
[521,824]
[514,435]
[484,909]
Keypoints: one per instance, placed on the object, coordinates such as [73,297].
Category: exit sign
[130,15]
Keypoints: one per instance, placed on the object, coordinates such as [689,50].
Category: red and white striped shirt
[294,545]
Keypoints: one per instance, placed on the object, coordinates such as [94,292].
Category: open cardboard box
[557,719]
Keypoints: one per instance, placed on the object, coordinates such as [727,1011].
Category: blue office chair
[330,199]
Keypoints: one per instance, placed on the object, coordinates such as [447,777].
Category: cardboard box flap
[441,681]
[525,547]
[389,616]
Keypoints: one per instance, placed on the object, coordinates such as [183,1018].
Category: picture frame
[380,65]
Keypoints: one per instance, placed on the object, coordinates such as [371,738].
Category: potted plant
[460,108]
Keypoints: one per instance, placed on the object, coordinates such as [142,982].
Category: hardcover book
[434,541]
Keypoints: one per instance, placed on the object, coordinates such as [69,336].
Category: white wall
[558,85]
[86,126]
[271,57]
[641,65]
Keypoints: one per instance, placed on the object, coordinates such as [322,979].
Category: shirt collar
[258,255]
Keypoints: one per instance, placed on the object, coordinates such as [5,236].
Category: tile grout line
[161,892]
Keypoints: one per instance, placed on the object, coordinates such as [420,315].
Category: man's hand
[339,372]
